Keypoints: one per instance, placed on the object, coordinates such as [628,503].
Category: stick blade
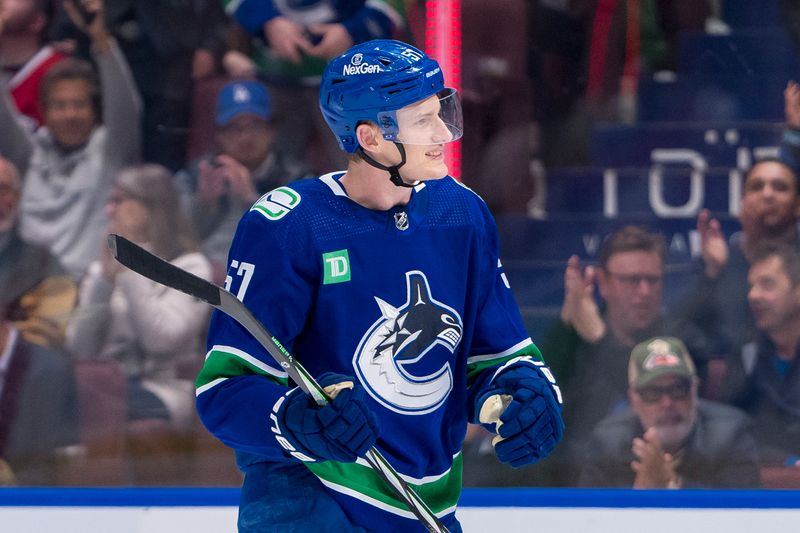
[153,267]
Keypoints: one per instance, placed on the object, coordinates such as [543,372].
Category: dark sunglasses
[678,391]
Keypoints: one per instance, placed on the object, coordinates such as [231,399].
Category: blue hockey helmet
[372,81]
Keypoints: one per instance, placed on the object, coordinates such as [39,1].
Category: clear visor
[435,120]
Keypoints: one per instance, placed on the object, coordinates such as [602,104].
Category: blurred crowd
[165,121]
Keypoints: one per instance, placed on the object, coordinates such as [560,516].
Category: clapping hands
[713,246]
[791,101]
[654,468]
[580,308]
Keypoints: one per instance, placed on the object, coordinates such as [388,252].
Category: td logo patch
[336,267]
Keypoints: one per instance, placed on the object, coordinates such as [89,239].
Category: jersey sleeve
[251,14]
[376,19]
[240,381]
[500,334]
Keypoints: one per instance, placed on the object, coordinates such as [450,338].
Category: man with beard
[763,376]
[669,438]
[589,346]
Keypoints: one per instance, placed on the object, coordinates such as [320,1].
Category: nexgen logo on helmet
[374,81]
[363,68]
[357,66]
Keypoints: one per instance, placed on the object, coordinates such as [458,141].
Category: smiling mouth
[434,153]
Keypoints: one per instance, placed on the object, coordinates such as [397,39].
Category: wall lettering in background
[662,171]
[687,170]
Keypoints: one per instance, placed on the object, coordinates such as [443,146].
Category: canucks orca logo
[394,347]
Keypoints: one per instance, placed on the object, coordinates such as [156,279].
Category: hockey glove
[530,425]
[342,430]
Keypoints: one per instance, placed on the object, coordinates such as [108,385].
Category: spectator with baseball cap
[668,437]
[219,187]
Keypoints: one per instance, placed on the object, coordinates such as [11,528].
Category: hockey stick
[153,267]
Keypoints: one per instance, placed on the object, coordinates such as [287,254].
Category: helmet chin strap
[394,170]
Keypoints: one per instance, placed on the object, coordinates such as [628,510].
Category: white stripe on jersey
[488,357]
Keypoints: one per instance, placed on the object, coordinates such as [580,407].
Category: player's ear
[368,137]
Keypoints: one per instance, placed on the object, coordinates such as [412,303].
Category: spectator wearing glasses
[589,345]
[150,330]
[668,437]
[219,188]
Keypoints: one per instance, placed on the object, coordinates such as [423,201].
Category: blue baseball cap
[240,97]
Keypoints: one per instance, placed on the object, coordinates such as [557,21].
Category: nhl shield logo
[401,220]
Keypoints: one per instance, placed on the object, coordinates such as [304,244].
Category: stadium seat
[780,477]
[201,120]
[103,401]
[741,14]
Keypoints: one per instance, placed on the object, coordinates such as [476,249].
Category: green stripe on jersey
[473,369]
[439,495]
[225,362]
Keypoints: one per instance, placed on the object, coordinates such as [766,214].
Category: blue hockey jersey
[363,19]
[412,302]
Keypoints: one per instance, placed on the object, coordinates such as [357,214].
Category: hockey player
[384,279]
